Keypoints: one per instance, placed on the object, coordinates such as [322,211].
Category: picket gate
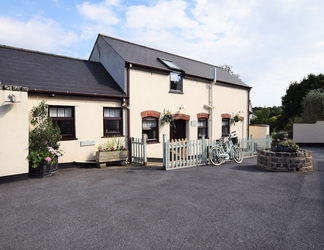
[184,153]
[138,150]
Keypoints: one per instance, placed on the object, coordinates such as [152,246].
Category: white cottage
[123,90]
[202,98]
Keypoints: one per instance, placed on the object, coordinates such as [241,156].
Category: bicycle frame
[226,147]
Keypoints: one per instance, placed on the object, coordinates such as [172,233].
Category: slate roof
[42,72]
[145,56]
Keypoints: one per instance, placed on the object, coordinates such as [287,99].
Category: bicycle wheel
[214,156]
[237,154]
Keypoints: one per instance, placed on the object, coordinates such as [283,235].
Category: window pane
[60,112]
[225,126]
[65,127]
[170,64]
[150,128]
[147,124]
[224,122]
[112,126]
[202,132]
[68,112]
[151,134]
[111,112]
[52,112]
[202,123]
[175,81]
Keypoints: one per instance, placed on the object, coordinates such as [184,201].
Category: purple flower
[48,159]
[46,142]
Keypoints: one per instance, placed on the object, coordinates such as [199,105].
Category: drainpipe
[211,103]
[128,104]
[248,116]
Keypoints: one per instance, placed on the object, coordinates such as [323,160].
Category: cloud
[101,13]
[268,43]
[40,34]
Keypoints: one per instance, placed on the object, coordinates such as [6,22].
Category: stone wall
[284,161]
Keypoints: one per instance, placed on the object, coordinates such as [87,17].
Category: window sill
[152,142]
[69,139]
[175,92]
[112,135]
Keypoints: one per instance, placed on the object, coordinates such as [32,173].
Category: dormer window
[175,76]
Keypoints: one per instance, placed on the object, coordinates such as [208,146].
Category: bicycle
[225,149]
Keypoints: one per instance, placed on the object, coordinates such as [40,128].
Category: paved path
[226,207]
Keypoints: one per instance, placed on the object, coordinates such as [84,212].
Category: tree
[291,102]
[313,106]
[267,115]
[228,68]
[261,116]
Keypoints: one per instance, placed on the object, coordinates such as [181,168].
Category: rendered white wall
[88,126]
[13,134]
[259,130]
[150,91]
[309,132]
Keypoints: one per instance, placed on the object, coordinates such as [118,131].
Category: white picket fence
[190,153]
[249,146]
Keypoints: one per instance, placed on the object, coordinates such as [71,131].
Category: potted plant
[167,118]
[292,147]
[236,118]
[279,136]
[283,146]
[44,145]
[113,150]
[279,141]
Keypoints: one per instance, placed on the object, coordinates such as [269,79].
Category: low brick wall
[284,161]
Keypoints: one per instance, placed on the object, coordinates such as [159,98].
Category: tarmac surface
[232,206]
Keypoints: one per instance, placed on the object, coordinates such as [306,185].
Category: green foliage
[236,118]
[228,68]
[313,106]
[292,101]
[43,137]
[113,144]
[279,135]
[261,116]
[167,118]
[267,115]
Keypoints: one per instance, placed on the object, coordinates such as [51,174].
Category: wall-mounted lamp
[12,98]
[124,104]
[181,107]
[208,106]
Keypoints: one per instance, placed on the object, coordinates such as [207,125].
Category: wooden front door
[180,131]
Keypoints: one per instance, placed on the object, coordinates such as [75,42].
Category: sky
[268,43]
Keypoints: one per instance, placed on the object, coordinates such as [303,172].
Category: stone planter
[102,158]
[284,161]
[44,169]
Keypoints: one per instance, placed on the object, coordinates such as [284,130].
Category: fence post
[251,145]
[204,150]
[144,137]
[268,143]
[164,152]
